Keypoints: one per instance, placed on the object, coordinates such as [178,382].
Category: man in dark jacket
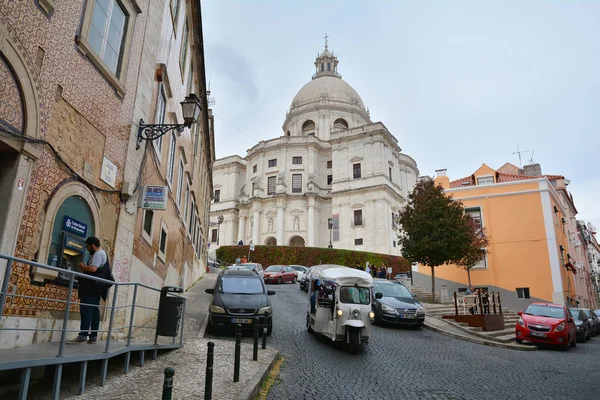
[90,292]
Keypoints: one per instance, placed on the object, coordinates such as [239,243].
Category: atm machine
[71,253]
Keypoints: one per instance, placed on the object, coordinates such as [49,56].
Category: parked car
[253,267]
[594,320]
[305,280]
[584,325]
[301,270]
[395,304]
[239,297]
[547,323]
[280,274]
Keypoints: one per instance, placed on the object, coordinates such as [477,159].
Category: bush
[309,256]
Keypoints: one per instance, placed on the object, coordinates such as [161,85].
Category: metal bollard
[236,360]
[255,344]
[264,338]
[168,384]
[209,371]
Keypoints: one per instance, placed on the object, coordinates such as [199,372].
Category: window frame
[356,168]
[271,180]
[145,234]
[116,80]
[254,168]
[191,220]
[217,196]
[180,181]
[171,159]
[357,221]
[213,235]
[161,97]
[187,200]
[329,179]
[525,291]
[299,188]
[175,14]
[162,254]
[362,243]
[297,158]
[329,164]
[485,178]
[272,163]
[183,51]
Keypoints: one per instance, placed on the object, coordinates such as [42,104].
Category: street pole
[330,222]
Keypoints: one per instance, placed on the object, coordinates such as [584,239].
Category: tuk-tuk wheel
[354,340]
[310,330]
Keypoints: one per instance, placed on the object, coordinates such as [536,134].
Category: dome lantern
[326,63]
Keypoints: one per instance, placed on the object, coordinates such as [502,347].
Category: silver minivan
[254,267]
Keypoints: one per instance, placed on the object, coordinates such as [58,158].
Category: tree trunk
[433,284]
[469,275]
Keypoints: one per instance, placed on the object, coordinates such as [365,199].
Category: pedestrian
[90,292]
[485,300]
[244,260]
[357,266]
[368,269]
[381,272]
[237,261]
[374,271]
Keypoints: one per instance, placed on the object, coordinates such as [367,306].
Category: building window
[475,214]
[271,185]
[171,161]
[191,226]
[523,293]
[390,172]
[253,189]
[358,221]
[184,49]
[147,223]
[254,169]
[308,127]
[196,228]
[329,179]
[162,244]
[213,236]
[485,180]
[217,196]
[179,182]
[356,170]
[187,200]
[322,66]
[358,242]
[159,116]
[297,183]
[175,13]
[340,124]
[272,163]
[328,66]
[296,160]
[106,32]
[330,164]
[394,243]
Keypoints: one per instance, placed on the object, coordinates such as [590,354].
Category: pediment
[297,211]
[217,186]
[355,159]
[271,213]
[357,206]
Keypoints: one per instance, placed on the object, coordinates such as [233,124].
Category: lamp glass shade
[191,109]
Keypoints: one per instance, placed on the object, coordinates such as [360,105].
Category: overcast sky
[459,83]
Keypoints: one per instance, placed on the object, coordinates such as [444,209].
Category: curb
[254,385]
[203,328]
[482,341]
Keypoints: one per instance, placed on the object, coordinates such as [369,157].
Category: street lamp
[191,111]
[219,222]
[330,222]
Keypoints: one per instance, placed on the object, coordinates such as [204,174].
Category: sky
[458,83]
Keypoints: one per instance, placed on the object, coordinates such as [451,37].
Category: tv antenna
[210,100]
[519,153]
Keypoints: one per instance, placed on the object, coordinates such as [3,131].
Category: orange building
[522,213]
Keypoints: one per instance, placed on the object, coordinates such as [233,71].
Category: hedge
[309,256]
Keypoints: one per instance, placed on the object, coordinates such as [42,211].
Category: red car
[547,323]
[280,274]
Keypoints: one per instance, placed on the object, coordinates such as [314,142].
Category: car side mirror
[570,320]
[520,313]
[378,296]
[209,291]
[270,292]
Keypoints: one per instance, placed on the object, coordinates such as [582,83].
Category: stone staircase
[507,335]
[423,295]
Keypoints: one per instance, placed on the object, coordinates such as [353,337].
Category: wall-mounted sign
[73,243]
[72,225]
[153,197]
[109,172]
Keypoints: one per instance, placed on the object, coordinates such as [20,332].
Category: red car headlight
[560,327]
[521,322]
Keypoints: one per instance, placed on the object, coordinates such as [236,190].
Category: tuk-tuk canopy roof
[342,275]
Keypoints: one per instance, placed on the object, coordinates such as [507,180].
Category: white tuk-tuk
[340,304]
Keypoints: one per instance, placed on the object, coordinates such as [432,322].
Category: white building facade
[334,177]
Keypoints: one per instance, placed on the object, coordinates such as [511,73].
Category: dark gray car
[395,304]
[594,320]
[584,326]
[239,297]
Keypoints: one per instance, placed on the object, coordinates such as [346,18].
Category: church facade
[334,178]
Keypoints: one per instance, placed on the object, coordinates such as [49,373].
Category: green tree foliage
[435,229]
[476,250]
[309,256]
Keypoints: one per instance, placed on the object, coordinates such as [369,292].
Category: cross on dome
[326,37]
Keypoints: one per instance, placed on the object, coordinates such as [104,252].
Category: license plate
[241,320]
[538,334]
[407,316]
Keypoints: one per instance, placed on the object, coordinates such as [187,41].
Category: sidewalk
[446,328]
[189,364]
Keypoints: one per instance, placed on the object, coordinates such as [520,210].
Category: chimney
[441,178]
[532,170]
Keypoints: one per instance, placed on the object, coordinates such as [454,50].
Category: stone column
[242,229]
[280,226]
[311,222]
[255,227]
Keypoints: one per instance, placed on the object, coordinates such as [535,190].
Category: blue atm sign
[74,226]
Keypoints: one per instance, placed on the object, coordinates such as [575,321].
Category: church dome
[333,87]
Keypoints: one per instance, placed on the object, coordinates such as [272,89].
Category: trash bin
[170,310]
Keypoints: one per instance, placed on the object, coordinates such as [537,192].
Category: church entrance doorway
[297,241]
[271,241]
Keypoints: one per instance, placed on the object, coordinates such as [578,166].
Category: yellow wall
[518,254]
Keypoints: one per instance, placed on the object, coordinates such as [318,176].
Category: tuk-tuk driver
[313,296]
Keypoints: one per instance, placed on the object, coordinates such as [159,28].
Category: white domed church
[334,177]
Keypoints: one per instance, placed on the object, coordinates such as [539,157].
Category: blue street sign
[72,225]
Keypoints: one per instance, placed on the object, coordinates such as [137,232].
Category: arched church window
[308,127]
[340,124]
[11,106]
[328,66]
[288,133]
[322,66]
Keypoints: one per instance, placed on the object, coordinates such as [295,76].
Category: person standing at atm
[90,292]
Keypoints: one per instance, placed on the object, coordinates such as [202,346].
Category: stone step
[508,338]
[505,331]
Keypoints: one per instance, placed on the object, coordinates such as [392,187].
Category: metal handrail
[113,307]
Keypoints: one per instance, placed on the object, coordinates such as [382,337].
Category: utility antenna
[531,159]
[519,153]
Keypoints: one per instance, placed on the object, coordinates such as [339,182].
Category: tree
[476,250]
[435,230]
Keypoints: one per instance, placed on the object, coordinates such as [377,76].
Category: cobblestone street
[409,364]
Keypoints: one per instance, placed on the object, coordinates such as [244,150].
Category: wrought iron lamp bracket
[150,132]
